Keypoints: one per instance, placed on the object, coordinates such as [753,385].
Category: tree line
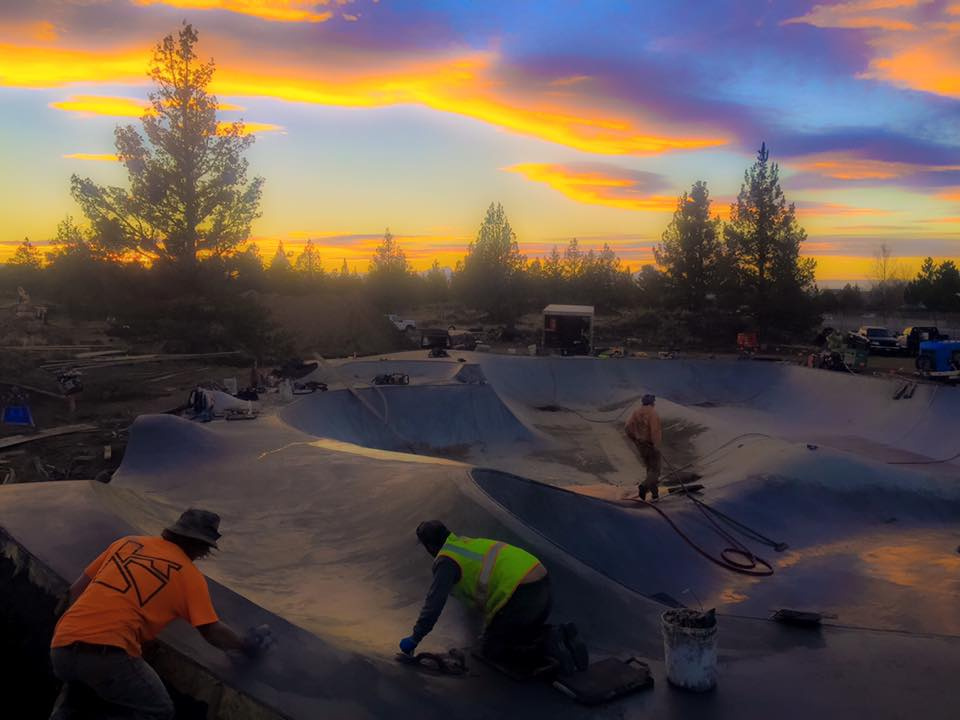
[177,233]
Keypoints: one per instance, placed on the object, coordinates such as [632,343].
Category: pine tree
[389,258]
[308,261]
[26,257]
[388,277]
[281,260]
[690,252]
[188,196]
[490,277]
[764,239]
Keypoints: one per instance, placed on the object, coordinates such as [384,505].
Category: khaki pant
[650,455]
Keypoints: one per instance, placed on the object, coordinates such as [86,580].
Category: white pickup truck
[402,324]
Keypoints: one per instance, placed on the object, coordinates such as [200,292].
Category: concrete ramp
[436,418]
[319,539]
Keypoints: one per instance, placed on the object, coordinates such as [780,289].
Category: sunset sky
[585,119]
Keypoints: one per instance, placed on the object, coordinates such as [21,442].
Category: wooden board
[14,440]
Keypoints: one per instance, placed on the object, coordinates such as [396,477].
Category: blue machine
[939,358]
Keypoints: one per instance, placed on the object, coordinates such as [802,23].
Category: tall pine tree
[189,197]
[764,238]
[690,252]
[491,274]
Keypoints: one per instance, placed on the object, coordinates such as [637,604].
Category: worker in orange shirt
[125,597]
[643,427]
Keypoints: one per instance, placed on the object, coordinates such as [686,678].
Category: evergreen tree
[922,288]
[188,197]
[437,284]
[389,258]
[308,262]
[690,252]
[491,274]
[763,239]
[26,258]
[281,260]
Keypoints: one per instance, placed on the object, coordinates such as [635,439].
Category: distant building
[568,329]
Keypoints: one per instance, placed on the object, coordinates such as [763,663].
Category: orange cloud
[951,195]
[943,221]
[102,105]
[859,15]
[273,10]
[465,85]
[114,106]
[43,31]
[849,166]
[249,128]
[100,157]
[597,186]
[932,67]
[817,209]
[44,67]
[926,58]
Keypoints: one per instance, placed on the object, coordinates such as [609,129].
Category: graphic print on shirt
[129,568]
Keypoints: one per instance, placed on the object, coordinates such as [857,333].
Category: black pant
[518,627]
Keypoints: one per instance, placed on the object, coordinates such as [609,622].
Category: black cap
[432,534]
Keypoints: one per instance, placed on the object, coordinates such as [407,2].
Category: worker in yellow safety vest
[508,586]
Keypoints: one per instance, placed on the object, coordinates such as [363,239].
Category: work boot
[578,650]
[555,648]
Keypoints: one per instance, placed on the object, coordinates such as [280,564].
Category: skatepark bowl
[849,496]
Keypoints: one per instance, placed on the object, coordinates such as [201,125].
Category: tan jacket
[644,426]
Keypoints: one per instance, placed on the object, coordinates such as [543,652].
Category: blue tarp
[17,415]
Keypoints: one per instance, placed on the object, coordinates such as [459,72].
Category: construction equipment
[940,359]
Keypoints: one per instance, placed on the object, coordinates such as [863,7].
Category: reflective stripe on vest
[490,571]
[486,570]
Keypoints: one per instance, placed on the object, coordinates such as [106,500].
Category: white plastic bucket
[690,653]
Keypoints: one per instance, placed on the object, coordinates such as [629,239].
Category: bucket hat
[198,524]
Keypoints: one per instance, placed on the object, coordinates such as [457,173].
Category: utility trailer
[568,329]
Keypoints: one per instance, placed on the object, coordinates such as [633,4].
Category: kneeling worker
[509,586]
[134,589]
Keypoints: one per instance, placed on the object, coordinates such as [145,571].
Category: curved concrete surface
[319,542]
[435,417]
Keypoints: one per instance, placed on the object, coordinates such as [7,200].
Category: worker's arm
[221,635]
[254,643]
[656,430]
[446,574]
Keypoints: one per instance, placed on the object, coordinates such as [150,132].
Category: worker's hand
[408,645]
[257,641]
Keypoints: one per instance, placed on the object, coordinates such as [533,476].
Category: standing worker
[134,589]
[643,427]
[509,586]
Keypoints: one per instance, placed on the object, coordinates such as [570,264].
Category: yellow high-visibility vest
[490,571]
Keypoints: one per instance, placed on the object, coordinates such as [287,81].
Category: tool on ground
[606,680]
[801,618]
[450,663]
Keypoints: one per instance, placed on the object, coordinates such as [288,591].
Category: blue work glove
[408,645]
[257,641]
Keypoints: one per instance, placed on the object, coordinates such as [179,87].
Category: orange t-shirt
[138,586]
